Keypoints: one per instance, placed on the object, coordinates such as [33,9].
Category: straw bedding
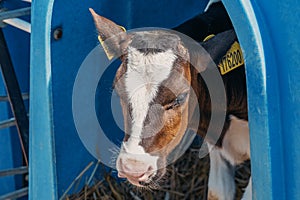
[187,178]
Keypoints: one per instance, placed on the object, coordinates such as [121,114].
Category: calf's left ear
[111,35]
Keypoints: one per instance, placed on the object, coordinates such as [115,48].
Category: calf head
[154,85]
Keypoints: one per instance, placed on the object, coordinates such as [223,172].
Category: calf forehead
[155,41]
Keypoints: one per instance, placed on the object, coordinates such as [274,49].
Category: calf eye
[180,99]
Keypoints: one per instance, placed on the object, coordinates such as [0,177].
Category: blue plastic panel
[269,35]
[42,174]
[10,151]
[7,184]
[55,145]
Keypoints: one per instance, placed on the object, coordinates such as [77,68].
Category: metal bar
[19,23]
[16,194]
[15,13]
[15,97]
[7,123]
[15,171]
[25,96]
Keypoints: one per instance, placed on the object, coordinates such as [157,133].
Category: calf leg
[236,146]
[235,150]
[248,191]
[221,184]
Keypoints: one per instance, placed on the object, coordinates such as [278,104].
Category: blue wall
[269,35]
[10,152]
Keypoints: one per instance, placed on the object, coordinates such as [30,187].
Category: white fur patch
[235,149]
[221,176]
[143,77]
[248,192]
[236,142]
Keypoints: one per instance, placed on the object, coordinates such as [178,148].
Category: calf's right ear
[112,36]
[218,46]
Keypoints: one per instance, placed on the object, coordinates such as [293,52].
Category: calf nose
[134,169]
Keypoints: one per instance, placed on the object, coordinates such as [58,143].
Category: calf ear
[218,46]
[111,35]
[215,47]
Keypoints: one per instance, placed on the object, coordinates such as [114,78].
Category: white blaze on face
[145,72]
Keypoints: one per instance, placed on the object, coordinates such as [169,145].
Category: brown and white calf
[158,89]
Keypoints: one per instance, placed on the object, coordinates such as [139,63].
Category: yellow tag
[109,55]
[232,60]
[123,28]
[208,37]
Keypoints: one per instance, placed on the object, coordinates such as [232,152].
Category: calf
[160,89]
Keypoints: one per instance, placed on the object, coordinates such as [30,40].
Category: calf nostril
[150,168]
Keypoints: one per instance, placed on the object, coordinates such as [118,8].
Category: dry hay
[187,178]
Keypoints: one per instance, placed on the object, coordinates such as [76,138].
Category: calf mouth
[153,182]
